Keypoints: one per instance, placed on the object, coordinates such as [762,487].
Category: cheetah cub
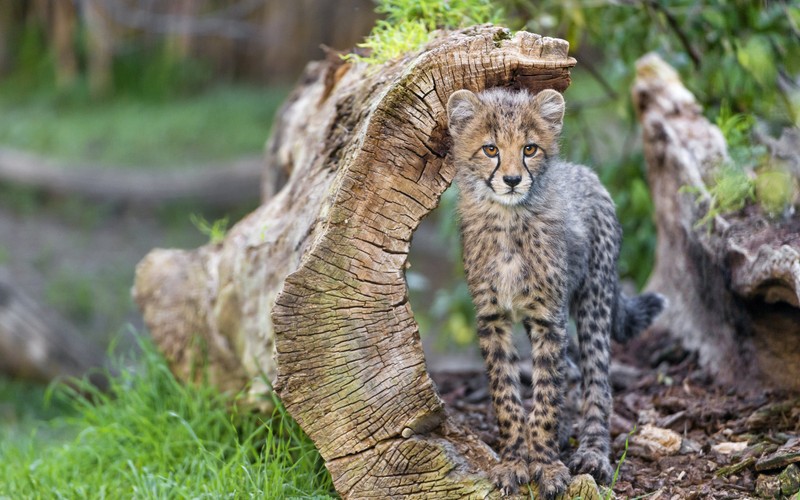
[540,241]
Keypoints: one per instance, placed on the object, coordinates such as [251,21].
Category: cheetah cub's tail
[635,314]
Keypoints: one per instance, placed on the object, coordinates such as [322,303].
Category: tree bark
[311,287]
[62,26]
[734,285]
[100,48]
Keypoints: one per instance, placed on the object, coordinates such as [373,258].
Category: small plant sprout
[608,494]
[215,231]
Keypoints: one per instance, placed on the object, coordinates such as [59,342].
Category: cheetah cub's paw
[509,474]
[589,461]
[552,478]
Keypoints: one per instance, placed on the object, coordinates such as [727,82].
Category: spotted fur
[540,241]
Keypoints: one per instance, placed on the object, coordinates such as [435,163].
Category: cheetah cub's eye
[530,150]
[490,150]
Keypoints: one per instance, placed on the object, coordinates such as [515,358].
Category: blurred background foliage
[139,84]
[158,49]
[145,83]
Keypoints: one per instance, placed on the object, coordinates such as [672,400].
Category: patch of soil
[732,443]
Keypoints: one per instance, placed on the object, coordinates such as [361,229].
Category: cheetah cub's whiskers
[540,241]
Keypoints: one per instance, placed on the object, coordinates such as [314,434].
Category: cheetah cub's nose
[512,180]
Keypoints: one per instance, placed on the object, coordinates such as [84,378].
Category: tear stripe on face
[489,180]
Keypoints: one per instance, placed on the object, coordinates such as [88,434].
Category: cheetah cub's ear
[550,106]
[462,107]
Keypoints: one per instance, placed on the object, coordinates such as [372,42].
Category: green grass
[215,125]
[150,437]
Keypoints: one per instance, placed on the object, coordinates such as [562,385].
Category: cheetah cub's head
[502,140]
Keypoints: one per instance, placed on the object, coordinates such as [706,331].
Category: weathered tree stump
[315,276]
[734,286]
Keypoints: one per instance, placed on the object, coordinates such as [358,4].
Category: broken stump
[733,286]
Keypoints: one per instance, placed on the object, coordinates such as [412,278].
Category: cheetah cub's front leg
[548,344]
[500,356]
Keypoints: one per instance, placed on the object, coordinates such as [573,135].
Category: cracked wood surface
[734,286]
[315,275]
[350,365]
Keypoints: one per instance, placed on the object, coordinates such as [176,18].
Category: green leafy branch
[730,192]
[749,176]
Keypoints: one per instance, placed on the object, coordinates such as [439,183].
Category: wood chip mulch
[687,437]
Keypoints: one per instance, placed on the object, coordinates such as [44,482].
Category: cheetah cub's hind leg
[593,321]
[603,312]
[595,305]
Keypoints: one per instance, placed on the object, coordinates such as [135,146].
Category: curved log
[350,365]
[734,287]
[316,274]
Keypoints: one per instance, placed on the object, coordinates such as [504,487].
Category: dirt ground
[692,438]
